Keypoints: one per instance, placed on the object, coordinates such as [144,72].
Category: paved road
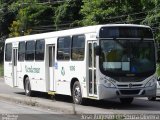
[13,108]
[9,110]
[139,106]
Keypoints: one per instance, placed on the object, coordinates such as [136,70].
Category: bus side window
[78,47]
[30,50]
[39,52]
[8,52]
[64,45]
[21,51]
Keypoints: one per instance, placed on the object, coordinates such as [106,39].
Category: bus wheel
[126,100]
[28,90]
[76,93]
[151,98]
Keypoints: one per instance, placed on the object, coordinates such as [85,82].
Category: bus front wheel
[126,100]
[76,93]
[28,90]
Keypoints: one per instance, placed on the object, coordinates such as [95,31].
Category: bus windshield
[127,56]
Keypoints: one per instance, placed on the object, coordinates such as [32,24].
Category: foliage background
[22,17]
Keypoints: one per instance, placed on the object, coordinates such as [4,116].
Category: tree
[103,12]
[95,12]
[6,17]
[31,15]
[67,14]
[152,16]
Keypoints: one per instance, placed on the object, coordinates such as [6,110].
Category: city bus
[96,62]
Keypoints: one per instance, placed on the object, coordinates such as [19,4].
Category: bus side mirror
[98,50]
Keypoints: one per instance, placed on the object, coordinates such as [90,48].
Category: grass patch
[1,70]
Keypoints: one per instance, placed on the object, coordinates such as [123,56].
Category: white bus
[97,62]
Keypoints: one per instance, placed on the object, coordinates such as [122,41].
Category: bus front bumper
[107,93]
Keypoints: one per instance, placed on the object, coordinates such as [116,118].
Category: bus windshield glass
[127,56]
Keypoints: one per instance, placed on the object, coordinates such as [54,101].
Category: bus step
[51,92]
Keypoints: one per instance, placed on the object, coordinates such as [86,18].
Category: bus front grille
[129,79]
[129,92]
[127,85]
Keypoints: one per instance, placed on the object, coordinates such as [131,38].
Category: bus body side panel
[20,74]
[36,73]
[62,74]
[66,72]
[8,73]
[80,72]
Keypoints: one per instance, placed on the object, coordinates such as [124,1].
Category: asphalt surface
[13,108]
[14,111]
[63,104]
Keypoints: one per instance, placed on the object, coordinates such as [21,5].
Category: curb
[62,107]
[30,101]
[59,106]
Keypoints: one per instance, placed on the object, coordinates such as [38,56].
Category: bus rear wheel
[76,93]
[28,90]
[126,101]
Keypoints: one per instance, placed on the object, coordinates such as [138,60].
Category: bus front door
[51,67]
[92,68]
[15,50]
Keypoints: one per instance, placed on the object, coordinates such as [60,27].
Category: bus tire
[28,90]
[151,98]
[76,93]
[126,101]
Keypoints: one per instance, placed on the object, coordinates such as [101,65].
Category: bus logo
[130,85]
[63,71]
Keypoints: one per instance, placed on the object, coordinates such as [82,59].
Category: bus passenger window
[30,50]
[78,47]
[39,53]
[63,52]
[21,51]
[8,52]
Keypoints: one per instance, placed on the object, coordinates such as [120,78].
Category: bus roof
[74,31]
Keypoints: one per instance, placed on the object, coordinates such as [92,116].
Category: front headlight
[151,82]
[109,84]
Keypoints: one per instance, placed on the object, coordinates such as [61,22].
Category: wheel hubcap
[77,94]
[27,88]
